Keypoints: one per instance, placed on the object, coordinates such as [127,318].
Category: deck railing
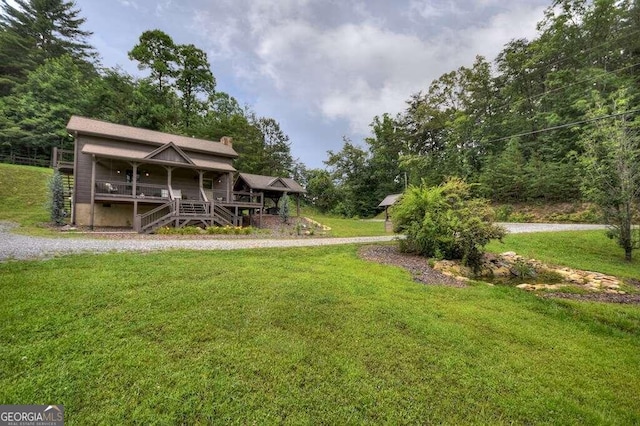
[62,158]
[152,217]
[125,189]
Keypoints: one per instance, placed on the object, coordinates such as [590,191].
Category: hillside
[23,191]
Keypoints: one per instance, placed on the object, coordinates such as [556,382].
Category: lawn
[23,191]
[587,250]
[305,335]
[341,227]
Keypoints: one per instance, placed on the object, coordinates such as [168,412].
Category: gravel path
[13,246]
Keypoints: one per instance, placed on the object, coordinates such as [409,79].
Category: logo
[31,415]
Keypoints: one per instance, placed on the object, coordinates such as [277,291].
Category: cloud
[352,61]
[129,3]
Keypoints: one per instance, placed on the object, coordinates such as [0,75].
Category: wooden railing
[194,208]
[155,217]
[124,189]
[223,216]
[62,158]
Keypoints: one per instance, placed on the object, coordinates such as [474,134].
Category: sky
[322,68]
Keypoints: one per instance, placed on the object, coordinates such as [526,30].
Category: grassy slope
[588,250]
[303,335]
[23,191]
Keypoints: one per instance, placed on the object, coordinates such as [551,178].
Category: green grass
[23,191]
[341,227]
[305,335]
[587,250]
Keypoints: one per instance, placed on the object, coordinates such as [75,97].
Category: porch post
[229,186]
[93,190]
[134,190]
[169,169]
[200,181]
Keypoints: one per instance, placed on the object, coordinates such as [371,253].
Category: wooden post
[169,170]
[229,186]
[93,190]
[298,204]
[54,158]
[201,179]
[134,191]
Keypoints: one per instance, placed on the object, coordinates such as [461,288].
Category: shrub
[445,222]
[56,204]
[283,208]
[503,212]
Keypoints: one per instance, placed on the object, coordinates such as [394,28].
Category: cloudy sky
[322,68]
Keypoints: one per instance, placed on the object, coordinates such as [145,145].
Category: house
[130,177]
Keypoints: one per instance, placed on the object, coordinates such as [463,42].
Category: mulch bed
[417,265]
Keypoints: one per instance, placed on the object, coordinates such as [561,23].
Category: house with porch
[123,176]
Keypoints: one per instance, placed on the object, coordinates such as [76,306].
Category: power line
[569,85]
[562,126]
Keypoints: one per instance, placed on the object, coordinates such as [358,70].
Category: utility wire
[562,126]
[568,85]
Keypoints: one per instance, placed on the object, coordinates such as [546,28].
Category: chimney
[226,140]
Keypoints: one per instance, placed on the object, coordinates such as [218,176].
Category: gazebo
[272,187]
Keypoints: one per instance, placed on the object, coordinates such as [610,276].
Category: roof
[271,183]
[389,200]
[141,154]
[89,126]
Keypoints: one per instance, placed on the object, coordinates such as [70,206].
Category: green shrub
[445,222]
[503,212]
[56,202]
[229,230]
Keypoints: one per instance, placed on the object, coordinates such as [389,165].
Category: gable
[170,153]
[278,183]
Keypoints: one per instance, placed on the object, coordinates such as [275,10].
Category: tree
[40,108]
[611,165]
[350,170]
[32,31]
[386,145]
[321,191]
[193,77]
[156,51]
[276,148]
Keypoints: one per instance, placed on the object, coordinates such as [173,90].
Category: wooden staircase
[179,213]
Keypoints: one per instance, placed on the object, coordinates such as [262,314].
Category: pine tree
[33,31]
[283,208]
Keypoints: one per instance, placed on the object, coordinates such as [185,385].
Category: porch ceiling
[139,156]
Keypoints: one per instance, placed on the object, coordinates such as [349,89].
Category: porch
[162,195]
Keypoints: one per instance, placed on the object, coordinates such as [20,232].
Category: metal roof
[389,200]
[265,183]
[89,126]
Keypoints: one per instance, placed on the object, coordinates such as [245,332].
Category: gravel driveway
[13,246]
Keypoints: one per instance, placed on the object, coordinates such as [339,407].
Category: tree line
[519,128]
[49,71]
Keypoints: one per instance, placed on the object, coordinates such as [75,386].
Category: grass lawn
[305,335]
[23,191]
[341,227]
[587,250]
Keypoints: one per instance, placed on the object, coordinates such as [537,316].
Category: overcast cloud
[322,68]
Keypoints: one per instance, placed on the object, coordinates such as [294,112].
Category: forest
[49,71]
[533,124]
